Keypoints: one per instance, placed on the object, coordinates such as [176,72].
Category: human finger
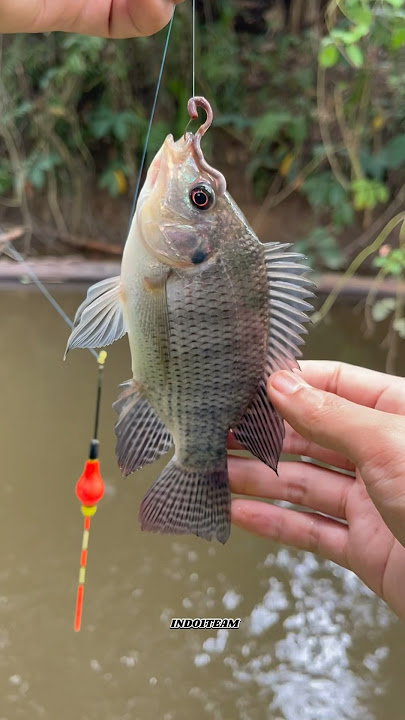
[299,483]
[360,385]
[306,531]
[104,18]
[145,16]
[296,444]
[331,421]
[371,439]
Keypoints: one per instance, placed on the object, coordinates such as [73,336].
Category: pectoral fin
[261,429]
[141,436]
[99,320]
[155,318]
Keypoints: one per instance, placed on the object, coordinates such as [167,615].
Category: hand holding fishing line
[351,419]
[104,18]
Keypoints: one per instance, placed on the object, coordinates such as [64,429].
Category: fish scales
[212,376]
[210,313]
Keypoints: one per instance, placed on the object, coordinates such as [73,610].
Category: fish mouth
[163,227]
[170,154]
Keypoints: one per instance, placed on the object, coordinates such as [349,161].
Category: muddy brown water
[314,643]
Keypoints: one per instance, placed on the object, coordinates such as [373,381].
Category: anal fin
[141,436]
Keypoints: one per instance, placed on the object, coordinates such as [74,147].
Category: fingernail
[285,382]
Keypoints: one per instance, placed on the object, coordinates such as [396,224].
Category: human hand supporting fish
[103,18]
[353,419]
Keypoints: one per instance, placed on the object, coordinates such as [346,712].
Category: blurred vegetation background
[309,101]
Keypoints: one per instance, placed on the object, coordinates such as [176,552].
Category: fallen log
[74,269]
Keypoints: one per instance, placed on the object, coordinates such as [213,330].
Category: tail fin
[185,501]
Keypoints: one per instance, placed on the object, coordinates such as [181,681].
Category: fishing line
[35,279]
[90,486]
[152,114]
[100,358]
[16,255]
[193,50]
[193,53]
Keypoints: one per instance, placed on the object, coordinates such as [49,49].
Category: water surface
[314,643]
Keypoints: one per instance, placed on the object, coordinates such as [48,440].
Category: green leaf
[399,327]
[342,36]
[267,126]
[108,179]
[122,124]
[6,179]
[38,167]
[328,56]
[382,308]
[379,261]
[360,15]
[76,64]
[373,165]
[368,193]
[323,191]
[394,152]
[397,38]
[343,215]
[100,122]
[332,256]
[355,55]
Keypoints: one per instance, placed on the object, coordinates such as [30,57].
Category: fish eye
[202,196]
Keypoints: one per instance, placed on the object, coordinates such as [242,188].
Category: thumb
[357,432]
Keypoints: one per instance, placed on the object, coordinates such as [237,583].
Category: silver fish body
[198,341]
[210,312]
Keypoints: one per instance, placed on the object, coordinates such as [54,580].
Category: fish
[210,313]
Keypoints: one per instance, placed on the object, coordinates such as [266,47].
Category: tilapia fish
[210,313]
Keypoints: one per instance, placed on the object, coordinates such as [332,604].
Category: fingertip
[285,382]
[150,17]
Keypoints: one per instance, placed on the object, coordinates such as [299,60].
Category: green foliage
[393,263]
[320,248]
[75,110]
[39,165]
[324,193]
[368,193]
[382,309]
[328,54]
[382,22]
[102,122]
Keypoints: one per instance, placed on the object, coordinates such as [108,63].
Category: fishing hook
[192,105]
